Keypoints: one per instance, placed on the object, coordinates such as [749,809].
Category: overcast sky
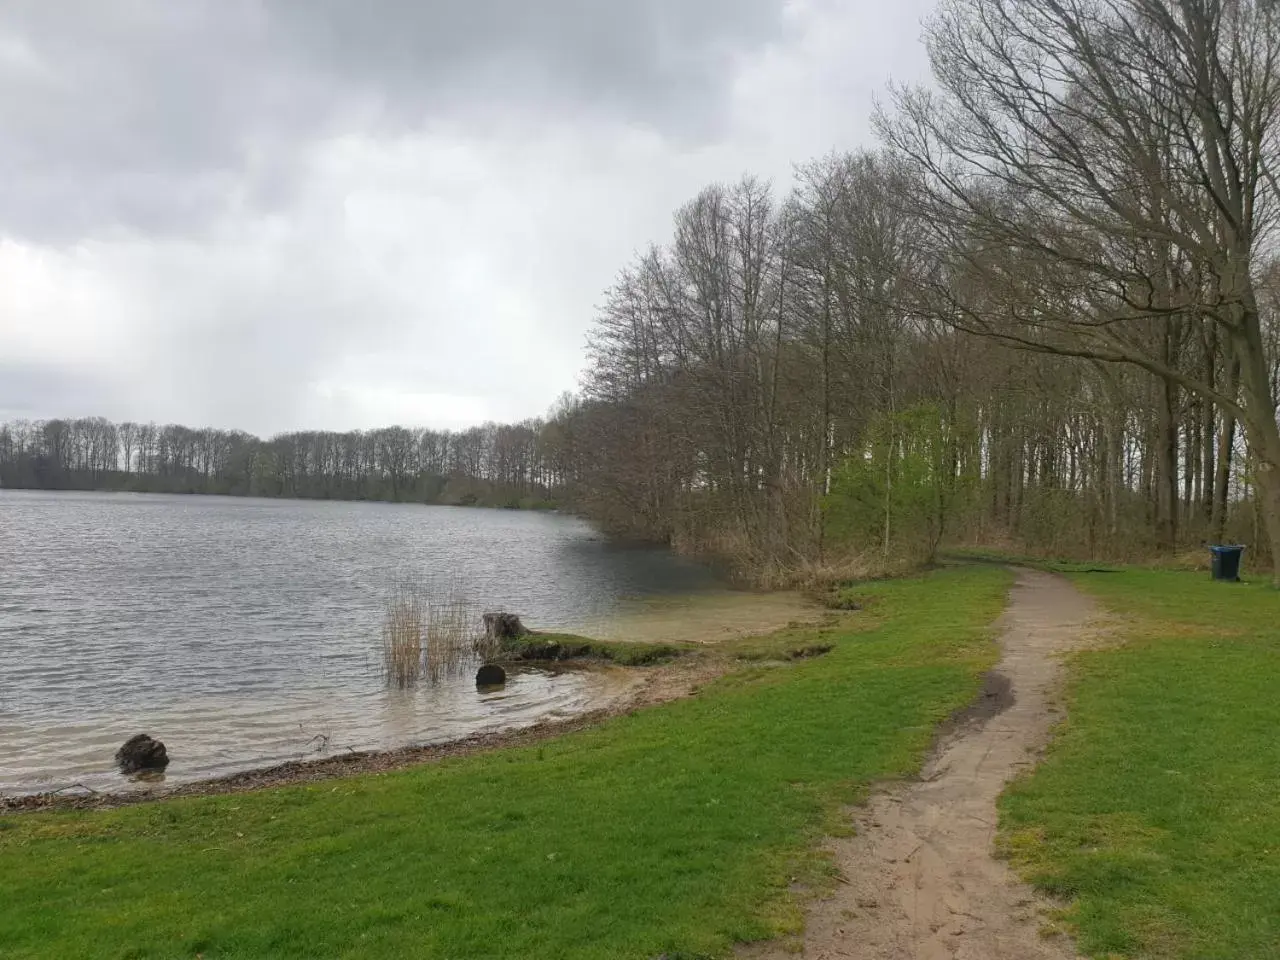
[297,214]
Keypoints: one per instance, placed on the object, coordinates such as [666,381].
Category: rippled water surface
[244,632]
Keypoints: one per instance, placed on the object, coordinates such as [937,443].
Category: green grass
[1157,811]
[677,829]
[540,646]
[789,643]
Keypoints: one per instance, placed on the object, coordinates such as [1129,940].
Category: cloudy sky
[291,214]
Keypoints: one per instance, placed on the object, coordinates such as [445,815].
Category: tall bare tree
[1102,172]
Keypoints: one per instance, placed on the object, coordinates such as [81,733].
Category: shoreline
[540,506]
[662,684]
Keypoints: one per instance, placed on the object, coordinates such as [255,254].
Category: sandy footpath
[920,879]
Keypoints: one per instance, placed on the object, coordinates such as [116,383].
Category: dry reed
[423,636]
[404,635]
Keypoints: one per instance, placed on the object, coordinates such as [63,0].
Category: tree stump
[503,626]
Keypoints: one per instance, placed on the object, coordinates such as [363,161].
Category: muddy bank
[658,685]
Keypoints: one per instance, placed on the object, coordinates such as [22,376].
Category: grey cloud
[157,117]
[654,60]
[273,214]
[138,114]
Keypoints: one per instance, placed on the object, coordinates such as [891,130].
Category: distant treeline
[491,465]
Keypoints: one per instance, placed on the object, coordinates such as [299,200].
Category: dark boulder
[140,753]
[490,675]
[503,626]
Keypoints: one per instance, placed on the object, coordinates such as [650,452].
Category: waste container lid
[1226,548]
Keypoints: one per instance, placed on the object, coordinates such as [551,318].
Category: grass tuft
[547,647]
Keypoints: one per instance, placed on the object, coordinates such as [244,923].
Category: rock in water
[141,752]
[490,675]
[503,626]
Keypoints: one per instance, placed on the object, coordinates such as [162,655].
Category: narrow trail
[922,883]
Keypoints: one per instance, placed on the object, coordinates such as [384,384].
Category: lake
[245,632]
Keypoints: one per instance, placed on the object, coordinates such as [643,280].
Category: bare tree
[1101,172]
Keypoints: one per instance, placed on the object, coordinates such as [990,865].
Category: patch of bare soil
[919,878]
[657,685]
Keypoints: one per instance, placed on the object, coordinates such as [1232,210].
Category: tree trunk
[824,463]
[1226,445]
[1191,470]
[1263,434]
[1167,464]
[1017,475]
[1269,502]
[1207,422]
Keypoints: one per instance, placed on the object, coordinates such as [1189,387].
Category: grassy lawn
[1158,808]
[678,829]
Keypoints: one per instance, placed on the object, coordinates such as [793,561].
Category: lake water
[245,632]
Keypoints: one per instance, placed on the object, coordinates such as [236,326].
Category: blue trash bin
[1226,562]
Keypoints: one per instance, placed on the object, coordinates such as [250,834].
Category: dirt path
[922,883]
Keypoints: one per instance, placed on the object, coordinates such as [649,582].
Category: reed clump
[431,637]
[404,636]
[455,639]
